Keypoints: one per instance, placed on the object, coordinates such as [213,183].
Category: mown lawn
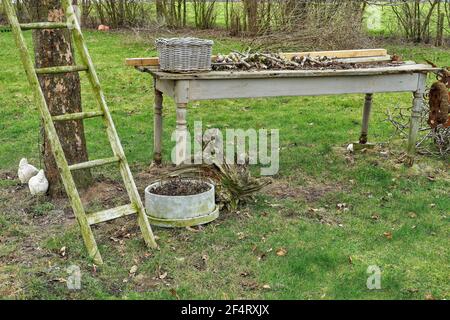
[394,217]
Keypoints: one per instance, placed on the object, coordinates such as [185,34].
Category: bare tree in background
[447,13]
[414,18]
[204,13]
[251,15]
[175,12]
[324,25]
[62,93]
[86,8]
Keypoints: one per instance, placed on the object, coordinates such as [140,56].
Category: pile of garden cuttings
[257,61]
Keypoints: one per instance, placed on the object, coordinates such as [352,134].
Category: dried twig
[436,141]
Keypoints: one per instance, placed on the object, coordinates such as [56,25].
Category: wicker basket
[184,54]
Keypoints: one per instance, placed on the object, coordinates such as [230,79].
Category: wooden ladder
[84,220]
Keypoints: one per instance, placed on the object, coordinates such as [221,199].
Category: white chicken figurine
[26,171]
[351,148]
[38,184]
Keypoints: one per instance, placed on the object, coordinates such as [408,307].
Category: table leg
[157,144]
[366,118]
[181,134]
[414,125]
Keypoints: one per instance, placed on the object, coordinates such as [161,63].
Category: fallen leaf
[266,286]
[133,269]
[249,285]
[241,235]
[388,235]
[139,278]
[342,206]
[174,293]
[281,252]
[429,296]
[193,229]
[275,205]
[114,239]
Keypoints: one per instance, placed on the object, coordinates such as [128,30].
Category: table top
[408,67]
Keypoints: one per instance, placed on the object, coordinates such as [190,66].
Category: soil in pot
[178,187]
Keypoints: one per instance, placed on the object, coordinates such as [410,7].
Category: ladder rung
[110,214]
[93,163]
[43,25]
[63,69]
[78,116]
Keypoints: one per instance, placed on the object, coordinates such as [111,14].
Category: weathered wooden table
[184,88]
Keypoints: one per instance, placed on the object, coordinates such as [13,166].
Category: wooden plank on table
[142,62]
[387,58]
[154,61]
[340,53]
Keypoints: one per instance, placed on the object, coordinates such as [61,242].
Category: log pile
[254,61]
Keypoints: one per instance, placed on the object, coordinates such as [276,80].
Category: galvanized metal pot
[181,211]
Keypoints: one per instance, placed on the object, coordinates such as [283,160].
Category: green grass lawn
[396,217]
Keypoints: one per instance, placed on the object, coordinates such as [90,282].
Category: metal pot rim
[147,190]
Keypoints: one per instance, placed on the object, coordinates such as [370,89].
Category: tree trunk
[62,93]
[160,14]
[251,9]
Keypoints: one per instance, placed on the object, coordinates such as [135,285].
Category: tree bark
[62,93]
[251,9]
[160,14]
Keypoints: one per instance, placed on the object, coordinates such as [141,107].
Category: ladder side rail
[50,130]
[116,146]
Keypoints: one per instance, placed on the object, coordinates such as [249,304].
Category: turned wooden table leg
[366,118]
[157,129]
[414,125]
[181,134]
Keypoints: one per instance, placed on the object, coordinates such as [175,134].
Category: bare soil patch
[103,191]
[311,193]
